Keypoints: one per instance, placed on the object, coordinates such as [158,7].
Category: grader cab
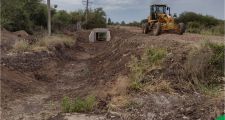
[160,21]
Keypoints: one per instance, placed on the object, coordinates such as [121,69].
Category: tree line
[202,24]
[31,15]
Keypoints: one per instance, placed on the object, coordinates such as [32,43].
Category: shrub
[78,105]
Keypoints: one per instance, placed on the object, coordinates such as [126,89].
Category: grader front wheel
[145,29]
[156,29]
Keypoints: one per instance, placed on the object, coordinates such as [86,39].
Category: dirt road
[33,84]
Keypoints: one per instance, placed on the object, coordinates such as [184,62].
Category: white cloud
[119,4]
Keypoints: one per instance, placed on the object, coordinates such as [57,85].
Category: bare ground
[33,84]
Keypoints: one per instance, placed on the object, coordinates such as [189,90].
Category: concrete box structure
[93,37]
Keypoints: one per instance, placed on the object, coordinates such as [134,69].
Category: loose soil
[33,84]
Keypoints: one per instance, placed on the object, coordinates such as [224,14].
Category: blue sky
[136,10]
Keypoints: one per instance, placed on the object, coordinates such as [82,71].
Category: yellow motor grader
[160,20]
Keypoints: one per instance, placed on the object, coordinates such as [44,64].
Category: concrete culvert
[99,34]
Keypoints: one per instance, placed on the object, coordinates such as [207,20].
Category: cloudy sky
[136,10]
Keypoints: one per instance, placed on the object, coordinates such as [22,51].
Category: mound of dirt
[8,39]
[21,34]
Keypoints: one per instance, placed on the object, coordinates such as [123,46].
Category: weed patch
[204,68]
[78,105]
[44,44]
[139,68]
[66,104]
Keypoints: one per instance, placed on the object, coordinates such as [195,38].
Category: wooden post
[49,17]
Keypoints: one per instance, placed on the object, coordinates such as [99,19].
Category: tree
[39,16]
[206,20]
[97,18]
[77,16]
[22,14]
[31,14]
[61,19]
[109,21]
[123,23]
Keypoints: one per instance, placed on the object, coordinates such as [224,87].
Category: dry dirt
[33,84]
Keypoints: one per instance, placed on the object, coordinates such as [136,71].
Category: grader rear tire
[181,28]
[157,29]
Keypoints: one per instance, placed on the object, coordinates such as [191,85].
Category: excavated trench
[33,84]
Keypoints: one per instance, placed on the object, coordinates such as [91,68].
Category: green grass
[151,57]
[78,105]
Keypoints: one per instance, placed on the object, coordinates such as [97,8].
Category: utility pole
[87,4]
[49,17]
